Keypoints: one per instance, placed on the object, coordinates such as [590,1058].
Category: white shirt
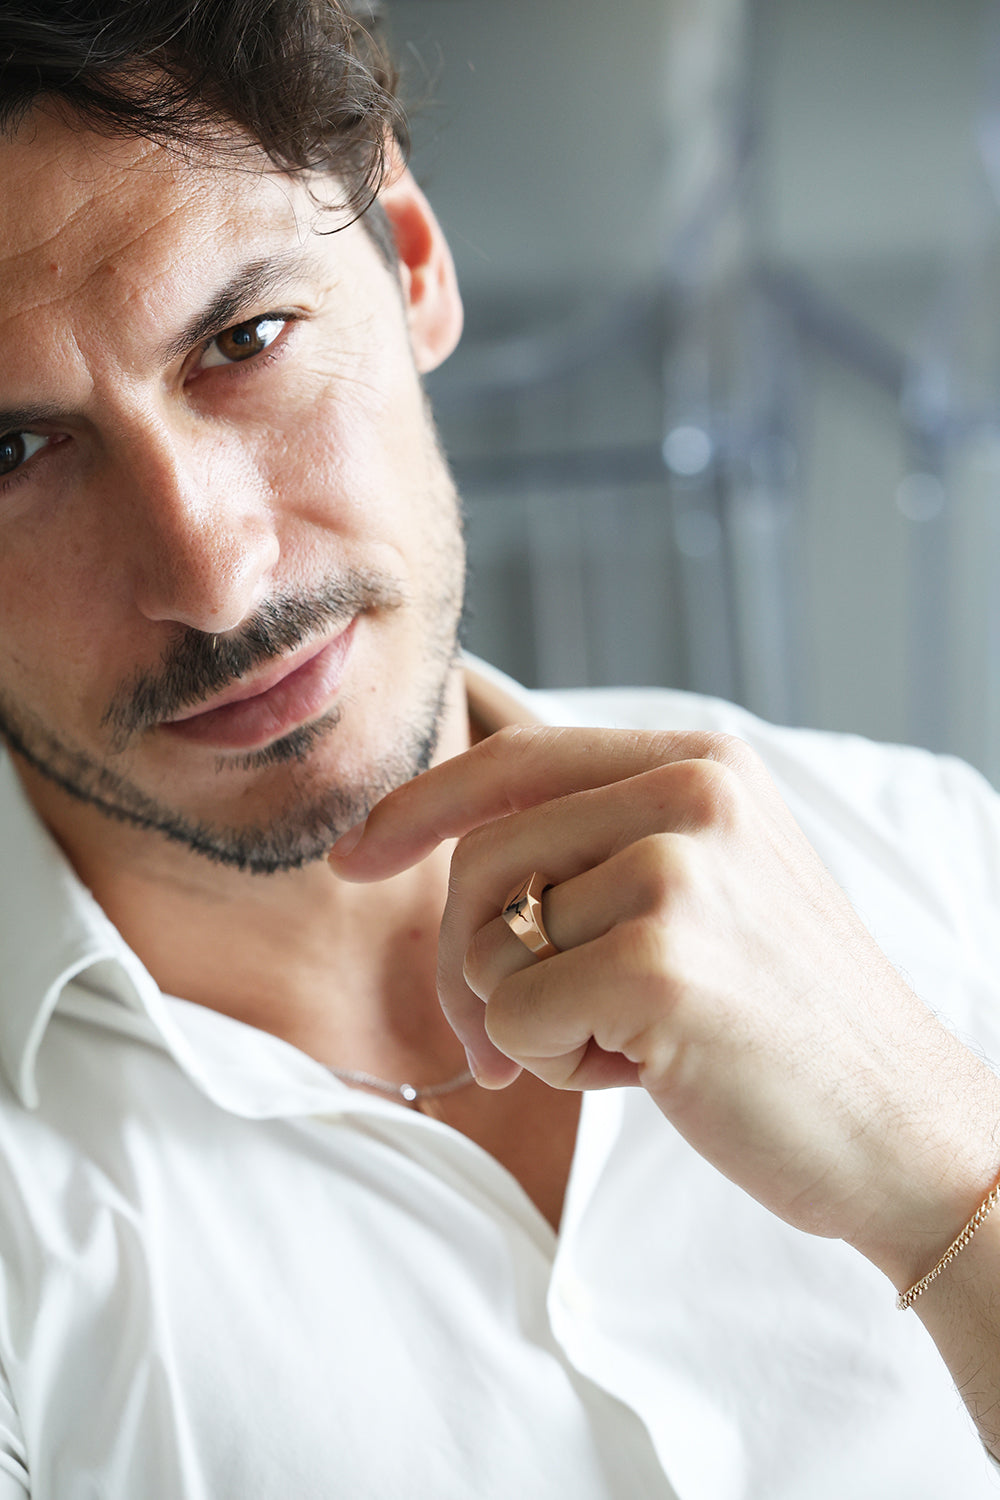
[226,1274]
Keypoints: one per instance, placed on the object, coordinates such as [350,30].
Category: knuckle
[472,853]
[658,1018]
[654,869]
[462,860]
[515,755]
[516,743]
[511,737]
[709,792]
[707,744]
[730,750]
[642,947]
[649,1031]
[525,742]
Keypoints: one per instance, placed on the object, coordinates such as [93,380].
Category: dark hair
[309,81]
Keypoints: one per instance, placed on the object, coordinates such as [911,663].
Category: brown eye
[243,341]
[16,448]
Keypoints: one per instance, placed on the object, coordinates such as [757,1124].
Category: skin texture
[171,499]
[248,462]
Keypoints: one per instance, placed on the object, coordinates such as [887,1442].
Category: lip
[249,715]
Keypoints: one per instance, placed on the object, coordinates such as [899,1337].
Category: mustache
[198,665]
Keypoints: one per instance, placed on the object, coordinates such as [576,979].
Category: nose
[203,542]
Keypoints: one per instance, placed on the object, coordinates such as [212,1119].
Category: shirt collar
[52,930]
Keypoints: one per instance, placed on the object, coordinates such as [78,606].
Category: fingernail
[473,1065]
[349,841]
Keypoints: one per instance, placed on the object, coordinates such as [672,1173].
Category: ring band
[522,911]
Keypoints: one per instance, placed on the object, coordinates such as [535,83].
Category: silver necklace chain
[408,1092]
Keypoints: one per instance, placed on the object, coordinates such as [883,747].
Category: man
[262,1233]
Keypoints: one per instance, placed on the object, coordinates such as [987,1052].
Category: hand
[708,957]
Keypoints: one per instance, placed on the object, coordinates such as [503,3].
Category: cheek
[64,640]
[73,615]
[355,454]
[44,671]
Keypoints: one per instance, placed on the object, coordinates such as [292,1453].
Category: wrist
[961,1242]
[933,1223]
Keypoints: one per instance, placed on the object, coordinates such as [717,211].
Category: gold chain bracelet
[907,1299]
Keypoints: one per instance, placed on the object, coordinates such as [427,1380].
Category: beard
[311,813]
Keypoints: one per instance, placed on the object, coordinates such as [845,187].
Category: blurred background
[726,415]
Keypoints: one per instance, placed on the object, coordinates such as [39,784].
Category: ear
[426,271]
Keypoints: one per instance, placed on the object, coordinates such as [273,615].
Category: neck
[344,972]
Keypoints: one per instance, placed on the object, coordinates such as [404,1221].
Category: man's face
[230,556]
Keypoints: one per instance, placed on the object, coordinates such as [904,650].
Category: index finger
[514,769]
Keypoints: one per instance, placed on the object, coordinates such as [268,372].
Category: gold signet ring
[522,911]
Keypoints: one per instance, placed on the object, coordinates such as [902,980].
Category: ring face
[522,911]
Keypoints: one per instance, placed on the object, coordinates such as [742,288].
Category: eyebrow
[19,418]
[250,284]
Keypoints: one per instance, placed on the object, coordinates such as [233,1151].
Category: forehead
[80,211]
